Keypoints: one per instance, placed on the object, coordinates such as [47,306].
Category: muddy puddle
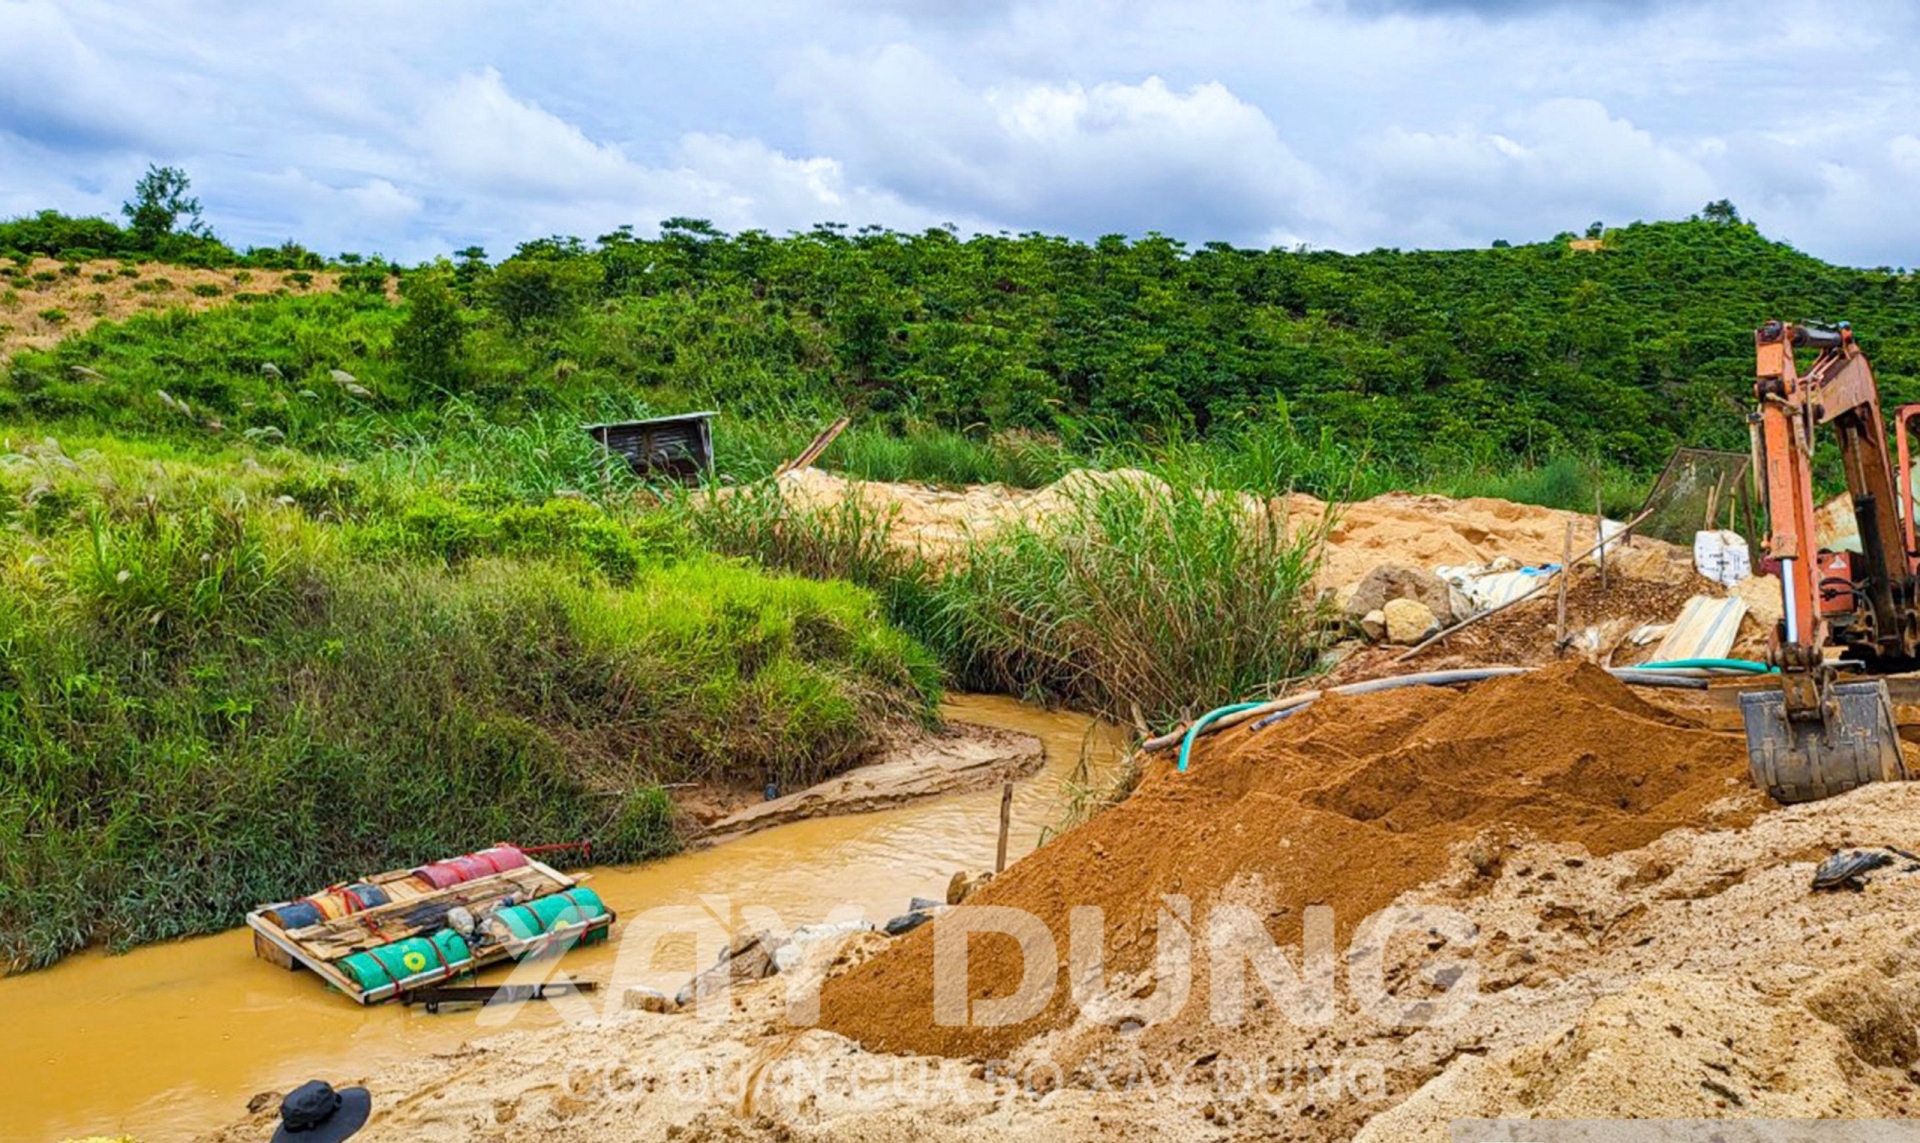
[171,1040]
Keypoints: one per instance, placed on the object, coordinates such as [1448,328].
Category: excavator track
[1803,761]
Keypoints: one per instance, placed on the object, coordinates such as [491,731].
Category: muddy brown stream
[171,1040]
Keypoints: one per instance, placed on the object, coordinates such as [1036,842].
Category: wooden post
[1006,822]
[1566,573]
[1600,536]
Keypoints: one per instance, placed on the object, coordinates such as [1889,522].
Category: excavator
[1829,727]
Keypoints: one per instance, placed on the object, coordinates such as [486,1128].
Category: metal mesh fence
[1701,489]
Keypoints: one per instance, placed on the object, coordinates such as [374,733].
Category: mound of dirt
[1435,531]
[1524,634]
[1347,805]
[1397,528]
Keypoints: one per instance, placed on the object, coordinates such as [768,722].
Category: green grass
[226,682]
[1140,601]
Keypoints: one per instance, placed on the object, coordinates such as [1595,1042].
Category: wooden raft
[316,947]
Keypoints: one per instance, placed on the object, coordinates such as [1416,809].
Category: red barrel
[466,867]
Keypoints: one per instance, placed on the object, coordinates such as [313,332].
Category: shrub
[429,343]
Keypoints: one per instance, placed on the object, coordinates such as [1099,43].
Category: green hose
[1186,742]
[1747,665]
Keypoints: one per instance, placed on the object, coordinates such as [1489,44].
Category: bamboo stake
[815,447]
[1600,535]
[1566,561]
[1006,822]
[1470,620]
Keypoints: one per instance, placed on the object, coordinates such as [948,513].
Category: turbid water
[171,1040]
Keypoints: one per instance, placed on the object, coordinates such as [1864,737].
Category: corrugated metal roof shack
[678,447]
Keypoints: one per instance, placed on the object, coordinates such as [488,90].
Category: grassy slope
[234,677]
[1015,359]
[43,300]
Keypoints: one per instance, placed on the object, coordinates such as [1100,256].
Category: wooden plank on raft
[436,995]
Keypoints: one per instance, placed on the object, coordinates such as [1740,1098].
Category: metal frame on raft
[290,951]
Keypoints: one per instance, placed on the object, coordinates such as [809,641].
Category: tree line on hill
[1615,350]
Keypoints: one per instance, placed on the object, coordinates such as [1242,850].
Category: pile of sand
[1600,622]
[1348,805]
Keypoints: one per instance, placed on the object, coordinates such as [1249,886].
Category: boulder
[1409,621]
[964,885]
[748,957]
[647,1000]
[1373,625]
[789,954]
[906,923]
[1389,582]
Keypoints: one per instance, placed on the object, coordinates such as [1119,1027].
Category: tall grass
[852,538]
[1144,600]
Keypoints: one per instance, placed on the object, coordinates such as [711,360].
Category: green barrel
[377,968]
[537,916]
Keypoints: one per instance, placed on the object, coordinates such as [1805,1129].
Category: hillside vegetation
[1015,357]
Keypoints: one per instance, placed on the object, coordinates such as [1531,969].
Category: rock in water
[1409,621]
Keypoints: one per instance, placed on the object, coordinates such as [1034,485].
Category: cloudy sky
[415,128]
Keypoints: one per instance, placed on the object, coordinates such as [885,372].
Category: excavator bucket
[1804,761]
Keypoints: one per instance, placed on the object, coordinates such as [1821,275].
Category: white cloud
[1548,167]
[1110,156]
[1343,123]
[476,132]
[57,90]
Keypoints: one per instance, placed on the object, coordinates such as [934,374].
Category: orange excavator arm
[1838,390]
[1817,736]
[1786,449]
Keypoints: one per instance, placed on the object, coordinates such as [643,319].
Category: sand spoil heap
[1347,805]
[1396,528]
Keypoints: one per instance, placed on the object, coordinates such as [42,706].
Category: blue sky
[412,129]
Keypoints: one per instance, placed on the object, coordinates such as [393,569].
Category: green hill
[1423,361]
